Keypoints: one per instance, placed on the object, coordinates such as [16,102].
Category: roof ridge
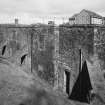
[92,13]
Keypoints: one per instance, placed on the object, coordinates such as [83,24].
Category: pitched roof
[93,14]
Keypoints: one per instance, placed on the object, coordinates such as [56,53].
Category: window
[96,21]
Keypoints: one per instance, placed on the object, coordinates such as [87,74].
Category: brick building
[87,17]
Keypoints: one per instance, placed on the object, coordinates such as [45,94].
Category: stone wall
[17,42]
[99,45]
[43,52]
[71,39]
[54,49]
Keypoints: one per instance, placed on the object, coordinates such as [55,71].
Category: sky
[33,11]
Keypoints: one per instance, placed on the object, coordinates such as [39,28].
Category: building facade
[87,17]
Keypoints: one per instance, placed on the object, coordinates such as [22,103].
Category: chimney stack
[16,21]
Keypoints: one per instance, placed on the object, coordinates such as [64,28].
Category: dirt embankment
[19,88]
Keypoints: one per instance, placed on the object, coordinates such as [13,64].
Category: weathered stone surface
[71,39]
[53,50]
[99,45]
[43,49]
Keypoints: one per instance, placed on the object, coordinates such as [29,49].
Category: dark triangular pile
[80,91]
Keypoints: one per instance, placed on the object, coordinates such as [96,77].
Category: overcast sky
[31,11]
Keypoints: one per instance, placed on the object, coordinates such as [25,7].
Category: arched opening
[3,49]
[67,82]
[23,58]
